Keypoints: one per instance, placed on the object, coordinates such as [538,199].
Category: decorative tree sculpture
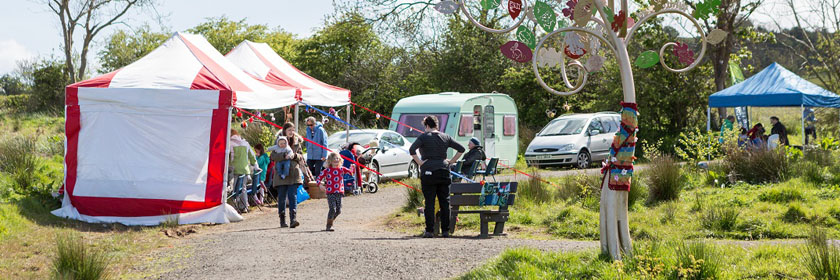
[585,36]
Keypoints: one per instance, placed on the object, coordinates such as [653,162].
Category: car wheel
[374,177]
[583,159]
[413,170]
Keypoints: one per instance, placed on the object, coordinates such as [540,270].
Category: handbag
[302,195]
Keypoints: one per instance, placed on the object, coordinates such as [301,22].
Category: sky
[30,30]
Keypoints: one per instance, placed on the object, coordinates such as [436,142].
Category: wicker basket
[314,191]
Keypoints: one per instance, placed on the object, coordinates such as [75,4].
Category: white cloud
[10,52]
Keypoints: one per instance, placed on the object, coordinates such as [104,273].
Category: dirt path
[360,248]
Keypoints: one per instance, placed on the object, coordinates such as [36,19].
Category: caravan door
[489,131]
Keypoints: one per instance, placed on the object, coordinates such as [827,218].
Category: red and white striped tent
[149,142]
[259,60]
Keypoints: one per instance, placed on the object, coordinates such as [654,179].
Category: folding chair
[490,170]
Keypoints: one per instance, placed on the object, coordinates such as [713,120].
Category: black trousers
[434,185]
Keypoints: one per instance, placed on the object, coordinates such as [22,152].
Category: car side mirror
[383,148]
[594,132]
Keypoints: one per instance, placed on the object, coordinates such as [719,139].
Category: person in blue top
[315,155]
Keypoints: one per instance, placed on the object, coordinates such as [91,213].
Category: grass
[28,232]
[652,260]
[719,218]
[821,258]
[665,180]
[75,260]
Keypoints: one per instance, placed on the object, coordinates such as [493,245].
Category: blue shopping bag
[302,195]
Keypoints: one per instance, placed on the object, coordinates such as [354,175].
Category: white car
[576,139]
[392,159]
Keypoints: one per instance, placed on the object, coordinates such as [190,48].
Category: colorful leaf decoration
[490,4]
[516,51]
[647,59]
[716,36]
[704,9]
[524,35]
[684,53]
[569,11]
[446,7]
[514,8]
[594,63]
[545,16]
[583,12]
[609,13]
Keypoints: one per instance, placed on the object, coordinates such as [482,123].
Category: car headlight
[566,147]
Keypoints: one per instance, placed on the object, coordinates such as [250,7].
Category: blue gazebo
[774,86]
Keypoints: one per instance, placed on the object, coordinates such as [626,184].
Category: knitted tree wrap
[619,165]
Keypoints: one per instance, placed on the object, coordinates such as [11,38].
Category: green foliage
[224,34]
[12,85]
[665,180]
[794,214]
[259,133]
[49,80]
[758,165]
[533,190]
[821,258]
[829,143]
[125,47]
[76,260]
[719,218]
[413,197]
[696,260]
[696,146]
[638,191]
[780,195]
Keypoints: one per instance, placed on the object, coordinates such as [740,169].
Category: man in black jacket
[434,172]
[779,128]
[476,153]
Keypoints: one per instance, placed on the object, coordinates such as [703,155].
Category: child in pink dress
[331,181]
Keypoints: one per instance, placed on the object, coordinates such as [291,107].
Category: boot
[283,220]
[330,224]
[293,223]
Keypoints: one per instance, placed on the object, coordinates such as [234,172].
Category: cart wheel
[372,187]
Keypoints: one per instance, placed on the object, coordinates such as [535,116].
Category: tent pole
[348,124]
[802,123]
[709,128]
[297,111]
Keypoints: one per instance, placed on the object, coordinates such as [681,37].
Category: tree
[49,80]
[11,85]
[732,17]
[816,39]
[123,48]
[224,34]
[91,16]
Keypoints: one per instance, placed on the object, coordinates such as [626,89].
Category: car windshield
[339,138]
[564,126]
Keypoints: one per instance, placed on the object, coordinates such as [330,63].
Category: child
[281,146]
[331,181]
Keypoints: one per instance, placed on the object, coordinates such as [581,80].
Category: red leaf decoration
[516,51]
[572,55]
[514,8]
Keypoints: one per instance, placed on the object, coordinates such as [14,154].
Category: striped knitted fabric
[623,149]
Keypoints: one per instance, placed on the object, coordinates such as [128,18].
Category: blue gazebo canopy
[774,86]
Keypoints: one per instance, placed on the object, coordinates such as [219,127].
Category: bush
[258,133]
[638,191]
[579,186]
[794,214]
[74,260]
[696,260]
[821,259]
[780,195]
[533,190]
[719,218]
[413,198]
[665,180]
[48,81]
[757,166]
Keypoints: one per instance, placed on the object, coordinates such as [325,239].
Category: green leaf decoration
[647,59]
[524,35]
[608,12]
[490,4]
[704,9]
[562,24]
[545,16]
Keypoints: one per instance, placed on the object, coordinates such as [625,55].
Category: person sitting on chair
[476,153]
[779,128]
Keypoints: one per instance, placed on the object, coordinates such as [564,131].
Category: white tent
[149,142]
[260,61]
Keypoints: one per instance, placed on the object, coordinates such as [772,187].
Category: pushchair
[240,194]
[350,184]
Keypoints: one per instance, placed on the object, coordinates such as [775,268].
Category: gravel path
[360,248]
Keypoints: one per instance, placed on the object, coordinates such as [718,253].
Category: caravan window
[416,121]
[466,126]
[509,125]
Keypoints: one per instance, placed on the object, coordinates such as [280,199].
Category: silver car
[392,159]
[576,139]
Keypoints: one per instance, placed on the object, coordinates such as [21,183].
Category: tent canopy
[774,86]
[260,61]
